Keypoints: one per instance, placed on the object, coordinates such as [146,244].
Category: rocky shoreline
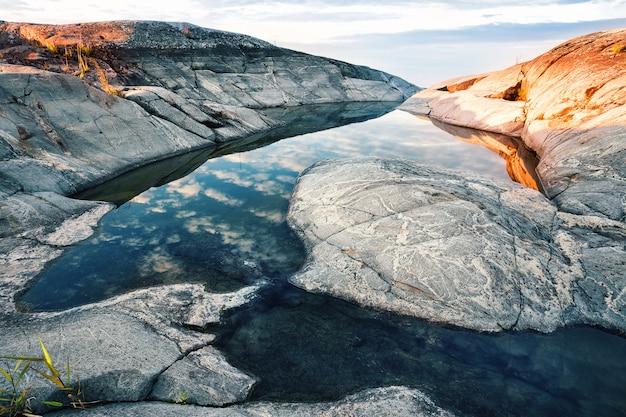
[83,104]
[441,245]
[465,250]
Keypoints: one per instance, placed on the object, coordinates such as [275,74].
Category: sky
[422,41]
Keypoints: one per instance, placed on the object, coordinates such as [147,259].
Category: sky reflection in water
[201,228]
[211,225]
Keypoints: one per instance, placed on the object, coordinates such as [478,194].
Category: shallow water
[224,225]
[230,210]
[311,347]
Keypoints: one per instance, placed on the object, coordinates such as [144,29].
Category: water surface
[230,210]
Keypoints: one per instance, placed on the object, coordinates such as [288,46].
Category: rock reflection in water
[294,121]
[521,162]
[306,347]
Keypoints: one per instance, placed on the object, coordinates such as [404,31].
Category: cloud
[274,216]
[183,214]
[222,198]
[143,198]
[425,57]
[201,225]
[187,187]
[160,263]
[232,177]
[322,20]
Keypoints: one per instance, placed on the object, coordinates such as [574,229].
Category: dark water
[209,221]
[308,347]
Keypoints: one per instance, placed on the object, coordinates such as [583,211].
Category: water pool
[221,222]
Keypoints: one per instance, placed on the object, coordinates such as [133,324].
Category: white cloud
[161,263]
[201,224]
[274,216]
[187,187]
[222,198]
[143,198]
[183,214]
[317,21]
[233,178]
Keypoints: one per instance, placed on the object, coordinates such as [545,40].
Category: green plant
[15,400]
[182,398]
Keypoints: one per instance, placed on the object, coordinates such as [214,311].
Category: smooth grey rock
[33,230]
[119,348]
[388,401]
[455,248]
[115,357]
[174,311]
[567,105]
[179,88]
[204,377]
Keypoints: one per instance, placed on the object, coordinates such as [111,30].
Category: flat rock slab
[116,357]
[454,248]
[203,377]
[131,347]
[389,401]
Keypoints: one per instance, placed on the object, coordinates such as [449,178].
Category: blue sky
[423,41]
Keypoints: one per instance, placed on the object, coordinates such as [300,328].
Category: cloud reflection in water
[202,227]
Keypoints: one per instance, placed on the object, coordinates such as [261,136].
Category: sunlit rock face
[455,248]
[464,250]
[567,105]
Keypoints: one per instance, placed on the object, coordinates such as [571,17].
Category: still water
[221,222]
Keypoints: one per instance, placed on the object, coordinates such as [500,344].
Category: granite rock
[455,248]
[83,104]
[132,347]
[396,401]
[567,105]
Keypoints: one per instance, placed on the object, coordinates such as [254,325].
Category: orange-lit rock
[567,105]
[521,162]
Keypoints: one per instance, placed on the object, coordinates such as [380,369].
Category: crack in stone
[182,356]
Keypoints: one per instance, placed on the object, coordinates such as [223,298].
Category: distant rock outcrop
[567,105]
[470,251]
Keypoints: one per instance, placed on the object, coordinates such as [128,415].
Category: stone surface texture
[127,348]
[388,401]
[459,249]
[455,248]
[567,105]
